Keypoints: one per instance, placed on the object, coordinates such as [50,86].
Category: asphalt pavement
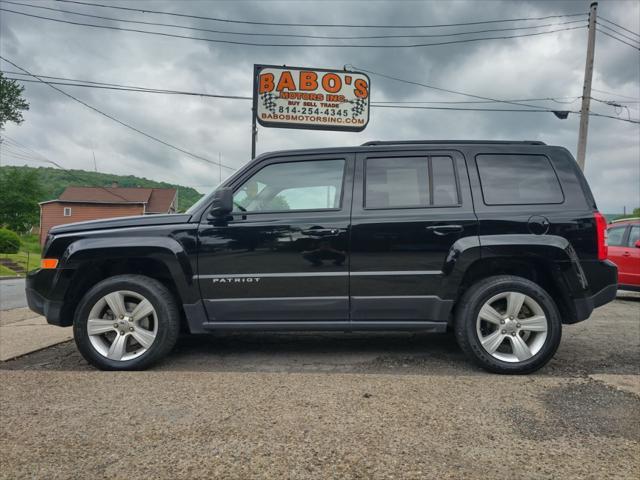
[347,406]
[12,293]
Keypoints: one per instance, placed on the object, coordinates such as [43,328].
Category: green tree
[9,241]
[634,214]
[12,103]
[19,194]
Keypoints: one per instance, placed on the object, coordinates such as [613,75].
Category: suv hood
[121,222]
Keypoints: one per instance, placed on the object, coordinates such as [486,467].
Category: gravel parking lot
[330,406]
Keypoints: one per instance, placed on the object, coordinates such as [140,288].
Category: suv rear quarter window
[515,179]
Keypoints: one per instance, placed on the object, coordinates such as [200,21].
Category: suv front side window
[615,236]
[282,187]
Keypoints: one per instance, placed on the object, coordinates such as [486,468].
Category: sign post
[309,98]
[254,126]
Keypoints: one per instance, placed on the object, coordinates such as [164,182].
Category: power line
[620,26]
[278,24]
[290,35]
[389,104]
[616,38]
[475,109]
[116,86]
[602,25]
[432,87]
[478,96]
[289,45]
[34,156]
[134,89]
[545,99]
[193,155]
[373,104]
[612,101]
[27,153]
[618,107]
[42,159]
[416,107]
[182,92]
[109,86]
[615,94]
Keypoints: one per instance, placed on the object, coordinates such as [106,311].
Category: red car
[624,251]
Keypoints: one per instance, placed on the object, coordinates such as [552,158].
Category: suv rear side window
[410,182]
[518,180]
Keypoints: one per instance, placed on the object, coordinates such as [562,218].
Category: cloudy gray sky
[529,67]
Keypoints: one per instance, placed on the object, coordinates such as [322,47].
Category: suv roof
[451,142]
[371,146]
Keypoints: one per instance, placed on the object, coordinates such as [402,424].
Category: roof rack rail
[624,219]
[451,142]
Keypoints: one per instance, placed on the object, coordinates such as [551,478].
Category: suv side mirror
[222,202]
[638,244]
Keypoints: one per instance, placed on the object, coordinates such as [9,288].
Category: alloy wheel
[512,327]
[122,325]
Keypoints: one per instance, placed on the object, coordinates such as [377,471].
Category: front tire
[126,322]
[508,325]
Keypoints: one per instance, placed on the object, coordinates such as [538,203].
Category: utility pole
[220,166]
[586,89]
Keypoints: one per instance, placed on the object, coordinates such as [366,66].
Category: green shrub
[9,241]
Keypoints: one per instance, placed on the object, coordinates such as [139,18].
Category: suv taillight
[601,235]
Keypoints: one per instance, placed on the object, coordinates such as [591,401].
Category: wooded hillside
[53,181]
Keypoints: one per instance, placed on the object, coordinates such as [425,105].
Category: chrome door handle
[321,231]
[445,229]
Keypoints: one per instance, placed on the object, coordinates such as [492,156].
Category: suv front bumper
[45,294]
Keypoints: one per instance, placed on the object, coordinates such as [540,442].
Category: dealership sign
[311,98]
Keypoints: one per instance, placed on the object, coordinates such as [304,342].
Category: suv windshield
[203,200]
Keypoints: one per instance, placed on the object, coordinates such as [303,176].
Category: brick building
[78,204]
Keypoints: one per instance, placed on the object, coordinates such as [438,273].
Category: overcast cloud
[530,67]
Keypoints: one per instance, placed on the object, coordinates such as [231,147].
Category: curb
[39,349]
[23,332]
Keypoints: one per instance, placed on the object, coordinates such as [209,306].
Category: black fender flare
[555,252]
[165,250]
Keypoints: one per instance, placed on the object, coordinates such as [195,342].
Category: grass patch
[7,272]
[21,258]
[30,243]
[28,257]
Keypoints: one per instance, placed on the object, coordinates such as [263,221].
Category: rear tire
[126,322]
[508,325]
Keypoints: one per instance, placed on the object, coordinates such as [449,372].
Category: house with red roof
[78,204]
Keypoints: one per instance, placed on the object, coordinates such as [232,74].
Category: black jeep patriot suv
[501,242]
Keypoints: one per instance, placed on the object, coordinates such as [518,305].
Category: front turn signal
[48,263]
